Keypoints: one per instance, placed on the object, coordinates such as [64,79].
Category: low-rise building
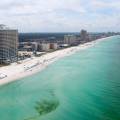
[49,46]
[38,46]
[28,46]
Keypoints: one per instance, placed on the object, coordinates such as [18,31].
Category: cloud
[106,4]
[60,15]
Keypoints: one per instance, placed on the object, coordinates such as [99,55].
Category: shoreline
[34,65]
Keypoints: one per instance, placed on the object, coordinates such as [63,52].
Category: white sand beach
[33,65]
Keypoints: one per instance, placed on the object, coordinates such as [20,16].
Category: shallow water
[86,85]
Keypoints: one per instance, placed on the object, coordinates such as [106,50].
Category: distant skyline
[61,15]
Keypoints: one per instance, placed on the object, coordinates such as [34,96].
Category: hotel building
[84,36]
[70,39]
[8,45]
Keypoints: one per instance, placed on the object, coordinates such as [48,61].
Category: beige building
[70,39]
[49,46]
[8,45]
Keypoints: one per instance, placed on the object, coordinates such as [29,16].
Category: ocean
[83,86]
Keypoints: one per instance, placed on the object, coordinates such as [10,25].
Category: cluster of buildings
[52,43]
[44,46]
[11,50]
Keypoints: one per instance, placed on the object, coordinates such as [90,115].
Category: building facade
[70,39]
[49,46]
[8,45]
[84,36]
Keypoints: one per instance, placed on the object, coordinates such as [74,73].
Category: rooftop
[4,27]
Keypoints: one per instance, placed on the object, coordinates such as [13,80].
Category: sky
[61,15]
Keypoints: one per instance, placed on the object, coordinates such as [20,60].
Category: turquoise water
[86,85]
